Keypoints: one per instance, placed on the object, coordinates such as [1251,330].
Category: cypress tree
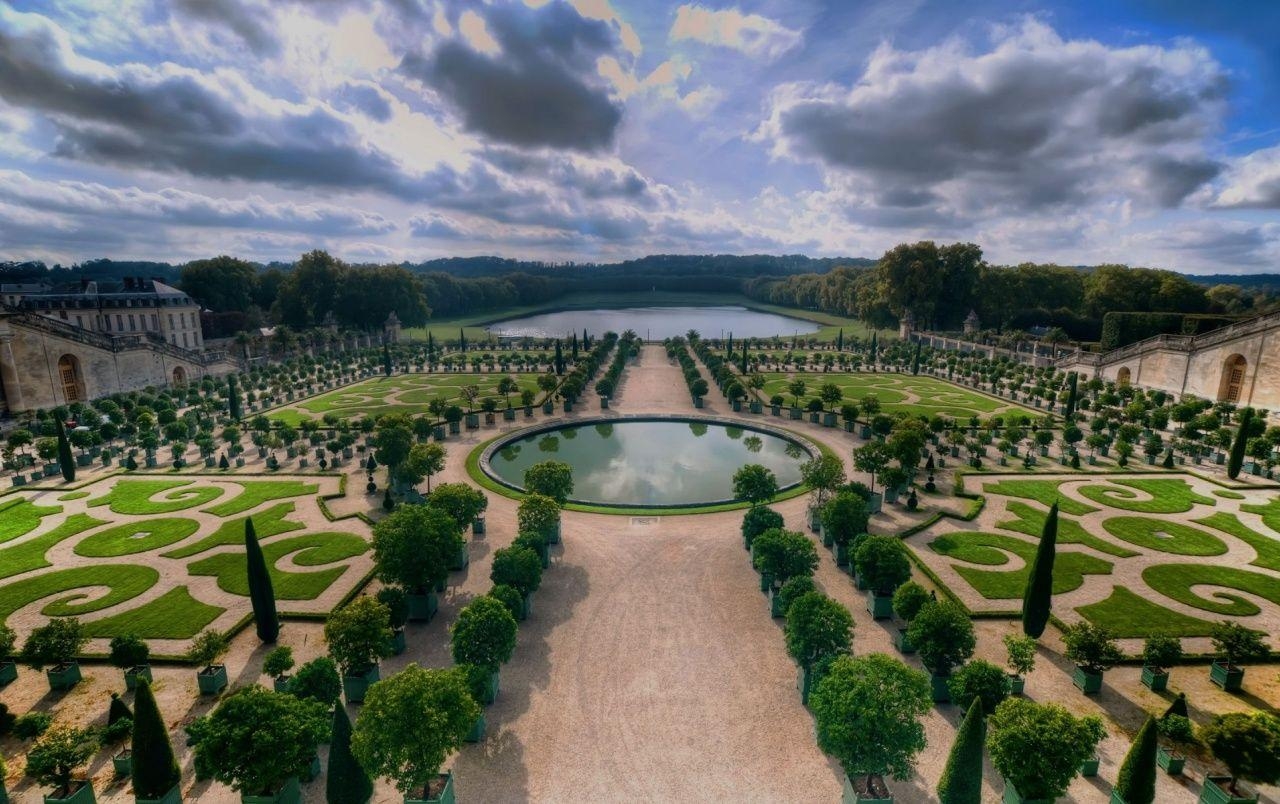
[233,398]
[559,359]
[386,359]
[728,350]
[915,360]
[1072,390]
[1234,462]
[462,340]
[961,781]
[118,710]
[574,346]
[431,347]
[347,782]
[1038,598]
[155,771]
[67,463]
[840,340]
[875,345]
[744,360]
[261,594]
[586,341]
[1136,783]
[1178,707]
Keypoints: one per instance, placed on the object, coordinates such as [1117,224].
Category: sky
[1143,132]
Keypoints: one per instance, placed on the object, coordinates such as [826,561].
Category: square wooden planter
[422,607]
[355,686]
[81,795]
[1170,762]
[64,676]
[1155,680]
[477,730]
[1231,679]
[1215,791]
[880,606]
[8,673]
[1012,796]
[132,675]
[940,692]
[1089,683]
[444,795]
[212,680]
[290,793]
[903,644]
[1089,767]
[174,796]
[851,796]
[1016,684]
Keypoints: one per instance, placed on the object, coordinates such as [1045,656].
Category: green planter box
[455,428]
[477,526]
[828,540]
[509,414]
[1171,762]
[1153,680]
[437,433]
[775,604]
[775,410]
[8,673]
[1089,683]
[548,408]
[122,763]
[174,796]
[397,642]
[132,675]
[290,793]
[1016,685]
[422,607]
[1215,791]
[1089,767]
[490,693]
[903,644]
[697,402]
[554,536]
[813,417]
[313,770]
[756,407]
[444,796]
[568,406]
[860,583]
[526,608]
[842,555]
[473,421]
[477,730]
[1231,679]
[461,559]
[851,796]
[737,405]
[280,683]
[81,795]
[796,414]
[355,686]
[212,680]
[880,606]
[766,581]
[1012,796]
[64,676]
[828,420]
[805,682]
[941,693]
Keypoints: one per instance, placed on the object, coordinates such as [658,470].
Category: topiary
[1136,783]
[981,681]
[155,770]
[757,520]
[793,589]
[961,781]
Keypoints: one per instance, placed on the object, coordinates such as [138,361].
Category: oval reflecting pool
[658,463]
[656,323]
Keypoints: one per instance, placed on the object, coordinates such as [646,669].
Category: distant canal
[656,323]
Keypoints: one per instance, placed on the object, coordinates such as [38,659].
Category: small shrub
[32,725]
[979,680]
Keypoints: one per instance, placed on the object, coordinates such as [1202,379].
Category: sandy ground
[650,668]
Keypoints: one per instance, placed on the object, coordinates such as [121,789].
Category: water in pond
[651,462]
[656,323]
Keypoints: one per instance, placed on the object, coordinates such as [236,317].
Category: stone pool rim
[811,450]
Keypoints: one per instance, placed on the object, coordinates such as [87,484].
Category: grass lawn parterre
[896,392]
[1177,544]
[403,393]
[124,560]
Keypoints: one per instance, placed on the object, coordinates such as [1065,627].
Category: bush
[317,680]
[54,643]
[484,634]
[1038,748]
[517,567]
[1091,647]
[1235,643]
[909,599]
[414,547]
[845,516]
[207,648]
[784,554]
[943,636]
[757,520]
[981,681]
[1248,744]
[509,597]
[817,628]
[278,662]
[128,651]
[397,603]
[882,563]
[54,760]
[32,725]
[794,589]
[1021,651]
[1161,652]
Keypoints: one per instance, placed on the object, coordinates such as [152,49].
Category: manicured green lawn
[989,549]
[1227,494]
[269,522]
[1270,512]
[256,492]
[173,615]
[72,495]
[20,516]
[1175,581]
[136,537]
[1044,492]
[1267,547]
[30,555]
[896,392]
[124,582]
[1031,522]
[135,496]
[312,549]
[1163,536]
[1129,615]
[408,393]
[1168,495]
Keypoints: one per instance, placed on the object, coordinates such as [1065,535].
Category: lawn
[1164,536]
[408,393]
[1175,581]
[1132,616]
[1167,495]
[1042,491]
[136,537]
[256,492]
[309,550]
[895,392]
[123,582]
[135,496]
[989,549]
[21,516]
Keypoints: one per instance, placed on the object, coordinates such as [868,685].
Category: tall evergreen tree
[559,359]
[961,781]
[744,360]
[1178,707]
[586,340]
[1234,462]
[574,347]
[728,349]
[840,340]
[155,770]
[915,360]
[1038,598]
[118,710]
[261,594]
[1069,409]
[431,347]
[347,782]
[462,340]
[233,398]
[875,345]
[65,461]
[1136,783]
[386,359]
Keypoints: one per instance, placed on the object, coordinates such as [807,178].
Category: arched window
[1123,378]
[72,379]
[179,376]
[1232,383]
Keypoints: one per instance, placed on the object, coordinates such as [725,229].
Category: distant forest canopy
[939,284]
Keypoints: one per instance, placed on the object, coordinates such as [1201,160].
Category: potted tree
[791,591]
[359,636]
[318,680]
[909,598]
[943,636]
[978,680]
[484,636]
[1234,643]
[397,603]
[119,726]
[519,568]
[1249,745]
[389,738]
[413,548]
[871,695]
[757,520]
[277,665]
[818,629]
[538,515]
[1178,736]
[1021,652]
[259,743]
[205,651]
[1039,748]
[8,669]
[1159,653]
[883,566]
[55,645]
[894,479]
[781,555]
[54,760]
[844,518]
[130,653]
[1094,651]
[155,770]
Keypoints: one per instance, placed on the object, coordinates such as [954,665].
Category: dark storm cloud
[244,20]
[1172,180]
[542,89]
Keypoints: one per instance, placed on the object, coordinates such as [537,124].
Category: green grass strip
[20,516]
[1270,513]
[1031,522]
[1164,536]
[1175,581]
[173,615]
[270,522]
[30,555]
[1044,492]
[1131,616]
[256,492]
[312,549]
[1227,494]
[136,537]
[124,582]
[73,495]
[134,496]
[1168,495]
[989,549]
[1267,548]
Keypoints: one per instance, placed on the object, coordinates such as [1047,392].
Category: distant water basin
[656,323]
[651,463]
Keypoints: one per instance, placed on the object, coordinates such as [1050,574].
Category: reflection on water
[548,444]
[653,463]
[656,323]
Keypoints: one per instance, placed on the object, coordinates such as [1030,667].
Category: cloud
[1035,124]
[244,20]
[1252,182]
[752,34]
[541,89]
[1213,246]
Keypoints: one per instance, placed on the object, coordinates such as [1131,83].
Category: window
[133,325]
[171,321]
[155,321]
[185,344]
[79,322]
[119,322]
